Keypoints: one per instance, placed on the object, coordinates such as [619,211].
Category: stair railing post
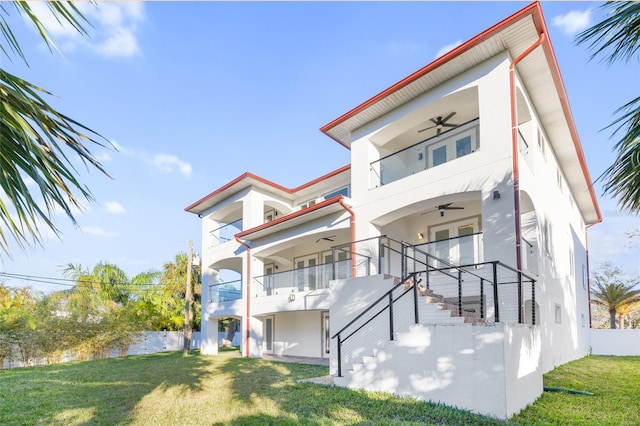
[482,298]
[339,356]
[415,299]
[403,259]
[390,315]
[519,297]
[380,255]
[496,311]
[459,292]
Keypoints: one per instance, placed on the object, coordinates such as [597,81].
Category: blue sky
[196,93]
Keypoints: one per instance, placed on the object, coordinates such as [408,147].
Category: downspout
[586,240]
[514,146]
[353,236]
[248,294]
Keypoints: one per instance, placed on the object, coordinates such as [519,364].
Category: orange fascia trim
[247,175]
[529,9]
[514,145]
[353,235]
[248,295]
[290,216]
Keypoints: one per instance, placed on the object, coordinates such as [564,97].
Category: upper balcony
[432,152]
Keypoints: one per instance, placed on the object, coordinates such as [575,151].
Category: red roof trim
[538,19]
[290,216]
[248,175]
[433,65]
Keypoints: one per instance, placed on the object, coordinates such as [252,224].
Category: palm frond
[34,144]
[618,35]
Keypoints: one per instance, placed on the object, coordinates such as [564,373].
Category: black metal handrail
[450,271]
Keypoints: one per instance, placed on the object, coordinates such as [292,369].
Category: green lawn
[169,389]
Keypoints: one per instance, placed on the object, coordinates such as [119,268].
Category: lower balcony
[225,292]
[301,279]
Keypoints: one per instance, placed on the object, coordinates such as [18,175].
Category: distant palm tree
[36,140]
[617,37]
[613,292]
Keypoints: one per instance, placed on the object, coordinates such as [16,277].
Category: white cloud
[573,22]
[114,207]
[446,48]
[119,147]
[102,156]
[97,231]
[113,32]
[168,163]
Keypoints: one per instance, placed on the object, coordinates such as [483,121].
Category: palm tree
[617,37]
[174,278]
[613,292]
[36,140]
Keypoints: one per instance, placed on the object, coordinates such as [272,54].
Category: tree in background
[616,38]
[614,292]
[36,140]
[174,279]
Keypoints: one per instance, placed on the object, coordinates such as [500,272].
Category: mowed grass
[614,382]
[169,389]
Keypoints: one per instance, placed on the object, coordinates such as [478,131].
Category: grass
[169,389]
[614,381]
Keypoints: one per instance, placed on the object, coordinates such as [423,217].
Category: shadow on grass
[95,392]
[259,384]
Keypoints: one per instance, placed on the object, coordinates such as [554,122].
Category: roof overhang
[294,219]
[539,71]
[247,180]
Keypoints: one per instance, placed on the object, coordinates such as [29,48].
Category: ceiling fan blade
[448,117]
[426,128]
[454,208]
[449,125]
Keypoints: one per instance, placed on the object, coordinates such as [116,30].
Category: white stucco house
[448,260]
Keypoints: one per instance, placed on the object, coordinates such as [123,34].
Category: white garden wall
[615,342]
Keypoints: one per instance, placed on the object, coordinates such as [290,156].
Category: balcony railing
[440,149]
[224,233]
[299,280]
[529,258]
[224,292]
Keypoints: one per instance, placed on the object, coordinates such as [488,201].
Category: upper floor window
[307,204]
[541,142]
[342,191]
[559,177]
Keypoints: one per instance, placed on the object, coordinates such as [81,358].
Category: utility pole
[187,303]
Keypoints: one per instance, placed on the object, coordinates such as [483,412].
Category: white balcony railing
[440,149]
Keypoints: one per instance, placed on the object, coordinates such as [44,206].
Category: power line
[71,282]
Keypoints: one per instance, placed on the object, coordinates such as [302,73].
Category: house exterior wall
[298,334]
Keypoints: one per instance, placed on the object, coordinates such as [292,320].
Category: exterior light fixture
[496,195]
[420,235]
[292,296]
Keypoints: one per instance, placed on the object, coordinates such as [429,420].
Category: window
[541,142]
[548,232]
[572,269]
[582,320]
[584,277]
[558,314]
[559,177]
[342,191]
[307,204]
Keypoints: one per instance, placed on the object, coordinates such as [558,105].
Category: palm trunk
[612,318]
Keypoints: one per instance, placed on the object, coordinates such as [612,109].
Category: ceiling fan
[440,122]
[442,208]
[329,238]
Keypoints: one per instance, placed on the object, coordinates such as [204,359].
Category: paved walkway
[297,359]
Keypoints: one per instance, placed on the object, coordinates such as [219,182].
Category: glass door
[455,243]
[268,335]
[306,273]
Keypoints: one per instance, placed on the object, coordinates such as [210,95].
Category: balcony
[437,150]
[224,233]
[224,292]
[300,280]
